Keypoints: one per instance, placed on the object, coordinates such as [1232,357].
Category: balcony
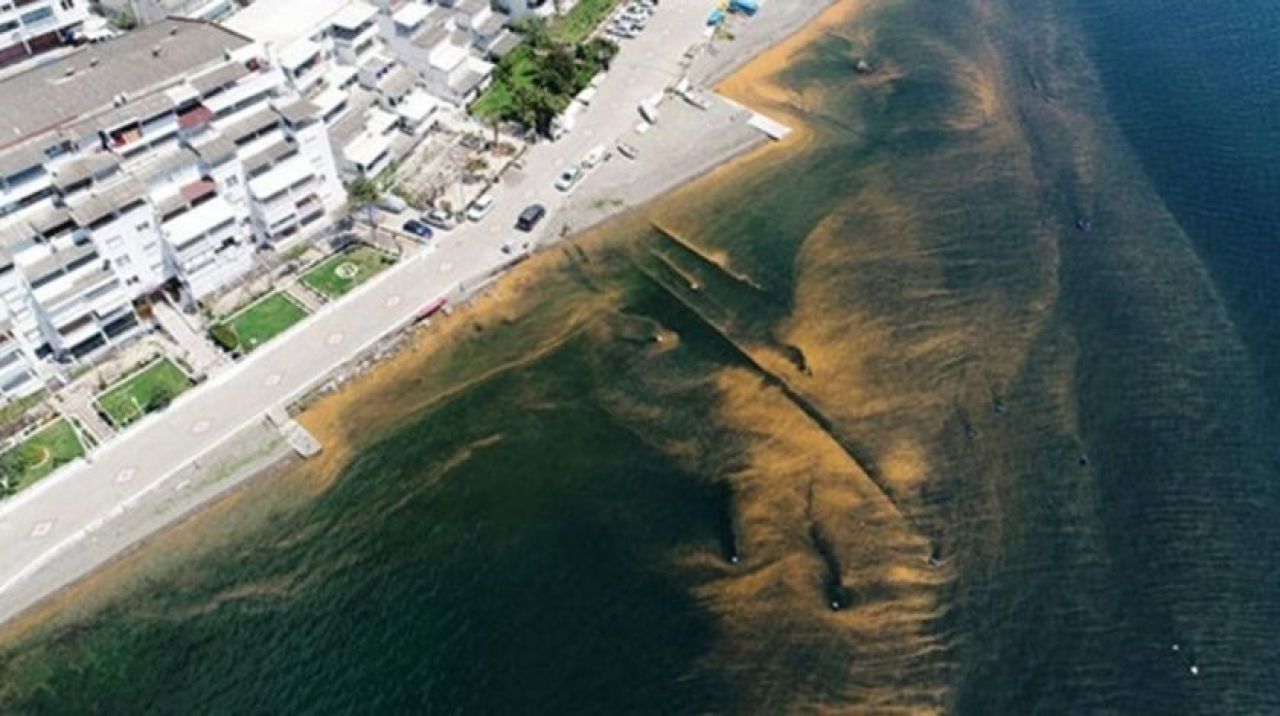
[193,225]
[270,187]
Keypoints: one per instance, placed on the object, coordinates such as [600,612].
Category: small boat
[430,309]
[1084,459]
[649,111]
[1084,224]
[935,557]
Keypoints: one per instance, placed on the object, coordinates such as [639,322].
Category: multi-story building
[30,27]
[452,46]
[165,157]
[332,54]
[518,9]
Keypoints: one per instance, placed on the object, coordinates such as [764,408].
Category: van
[530,217]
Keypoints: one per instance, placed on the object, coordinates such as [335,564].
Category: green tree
[557,72]
[535,107]
[362,193]
[11,469]
[598,52]
[123,20]
[536,32]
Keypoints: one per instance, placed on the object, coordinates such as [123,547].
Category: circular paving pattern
[200,426]
[273,379]
[124,475]
[334,339]
[393,301]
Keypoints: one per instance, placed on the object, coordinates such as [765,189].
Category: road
[49,519]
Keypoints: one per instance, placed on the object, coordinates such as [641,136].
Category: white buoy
[1176,647]
[1195,670]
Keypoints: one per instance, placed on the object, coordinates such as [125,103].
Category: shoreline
[70,580]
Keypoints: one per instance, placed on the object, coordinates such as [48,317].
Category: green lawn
[582,19]
[260,322]
[520,68]
[43,452]
[147,391]
[342,272]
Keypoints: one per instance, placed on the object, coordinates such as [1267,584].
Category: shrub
[225,336]
[160,398]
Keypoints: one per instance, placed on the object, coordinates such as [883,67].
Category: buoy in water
[1195,670]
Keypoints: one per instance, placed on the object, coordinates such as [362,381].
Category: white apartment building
[518,9]
[30,27]
[165,157]
[451,45]
[332,54]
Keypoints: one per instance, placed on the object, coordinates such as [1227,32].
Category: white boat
[649,110]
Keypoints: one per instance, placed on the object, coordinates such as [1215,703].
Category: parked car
[480,208]
[391,203]
[440,219]
[530,217]
[597,154]
[635,14]
[622,32]
[417,228]
[628,151]
[568,178]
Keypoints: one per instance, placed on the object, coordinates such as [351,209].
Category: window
[68,4]
[142,227]
[37,16]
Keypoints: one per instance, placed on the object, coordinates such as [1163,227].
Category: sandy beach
[687,144]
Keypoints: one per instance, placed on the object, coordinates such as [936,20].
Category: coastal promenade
[48,521]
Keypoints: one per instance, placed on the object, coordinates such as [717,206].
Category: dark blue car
[417,228]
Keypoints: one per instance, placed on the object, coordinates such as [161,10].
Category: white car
[597,154]
[480,208]
[568,178]
[622,32]
[440,219]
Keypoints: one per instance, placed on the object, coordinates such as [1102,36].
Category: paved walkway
[55,515]
[79,404]
[204,358]
[305,296]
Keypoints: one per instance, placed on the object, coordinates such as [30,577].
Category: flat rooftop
[138,62]
[281,22]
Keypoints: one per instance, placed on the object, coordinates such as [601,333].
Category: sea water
[964,402]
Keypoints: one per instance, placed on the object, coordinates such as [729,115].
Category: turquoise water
[894,342]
